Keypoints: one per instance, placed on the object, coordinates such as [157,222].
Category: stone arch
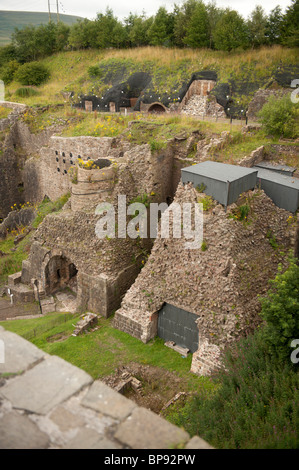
[60,272]
[157,108]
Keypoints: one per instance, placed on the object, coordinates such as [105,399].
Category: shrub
[280,310]
[24,92]
[279,116]
[256,405]
[32,73]
[94,71]
[8,71]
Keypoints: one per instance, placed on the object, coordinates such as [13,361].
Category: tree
[104,25]
[138,35]
[160,32]
[231,31]
[214,15]
[198,29]
[290,25]
[273,26]
[257,26]
[280,310]
[82,34]
[182,18]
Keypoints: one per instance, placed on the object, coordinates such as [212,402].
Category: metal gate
[175,324]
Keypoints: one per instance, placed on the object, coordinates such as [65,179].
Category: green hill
[9,20]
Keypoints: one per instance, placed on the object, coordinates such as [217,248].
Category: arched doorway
[60,272]
[156,108]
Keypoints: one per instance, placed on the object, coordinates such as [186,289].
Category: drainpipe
[38,297]
[227,197]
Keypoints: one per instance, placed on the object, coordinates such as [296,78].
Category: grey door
[175,324]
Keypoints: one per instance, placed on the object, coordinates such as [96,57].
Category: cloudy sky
[89,8]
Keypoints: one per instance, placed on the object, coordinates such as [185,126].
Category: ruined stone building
[205,297]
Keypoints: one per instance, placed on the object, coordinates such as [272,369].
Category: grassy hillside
[9,20]
[169,68]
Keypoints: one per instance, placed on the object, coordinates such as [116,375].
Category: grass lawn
[102,351]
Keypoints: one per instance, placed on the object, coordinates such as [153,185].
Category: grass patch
[100,352]
[12,262]
[47,207]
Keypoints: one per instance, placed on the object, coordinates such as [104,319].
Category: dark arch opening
[156,108]
[60,272]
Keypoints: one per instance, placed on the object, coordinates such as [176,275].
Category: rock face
[220,283]
[261,97]
[203,106]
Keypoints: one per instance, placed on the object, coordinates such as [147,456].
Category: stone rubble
[203,106]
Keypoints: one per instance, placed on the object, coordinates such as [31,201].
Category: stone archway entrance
[60,272]
[156,108]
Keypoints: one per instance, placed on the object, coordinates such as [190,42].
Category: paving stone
[145,430]
[19,354]
[104,399]
[65,420]
[45,386]
[19,432]
[198,443]
[87,438]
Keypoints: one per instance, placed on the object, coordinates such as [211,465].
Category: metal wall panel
[175,324]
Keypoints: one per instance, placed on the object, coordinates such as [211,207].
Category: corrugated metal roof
[219,171]
[276,167]
[278,178]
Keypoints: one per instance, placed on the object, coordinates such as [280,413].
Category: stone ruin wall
[220,284]
[198,87]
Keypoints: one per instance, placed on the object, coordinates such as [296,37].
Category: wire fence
[63,318]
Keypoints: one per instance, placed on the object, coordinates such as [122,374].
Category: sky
[90,8]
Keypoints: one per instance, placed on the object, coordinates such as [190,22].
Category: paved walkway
[45,402]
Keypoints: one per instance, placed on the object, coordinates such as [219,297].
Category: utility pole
[57,11]
[49,11]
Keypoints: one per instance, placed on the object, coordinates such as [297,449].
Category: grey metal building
[282,189]
[222,181]
[282,169]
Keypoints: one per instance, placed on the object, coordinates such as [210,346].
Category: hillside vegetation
[74,71]
[9,20]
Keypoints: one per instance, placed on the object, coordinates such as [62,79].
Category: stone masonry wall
[220,284]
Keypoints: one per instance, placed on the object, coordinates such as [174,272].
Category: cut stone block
[104,399]
[45,386]
[19,354]
[88,439]
[65,420]
[14,279]
[145,430]
[88,320]
[21,293]
[48,305]
[19,432]
[183,351]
